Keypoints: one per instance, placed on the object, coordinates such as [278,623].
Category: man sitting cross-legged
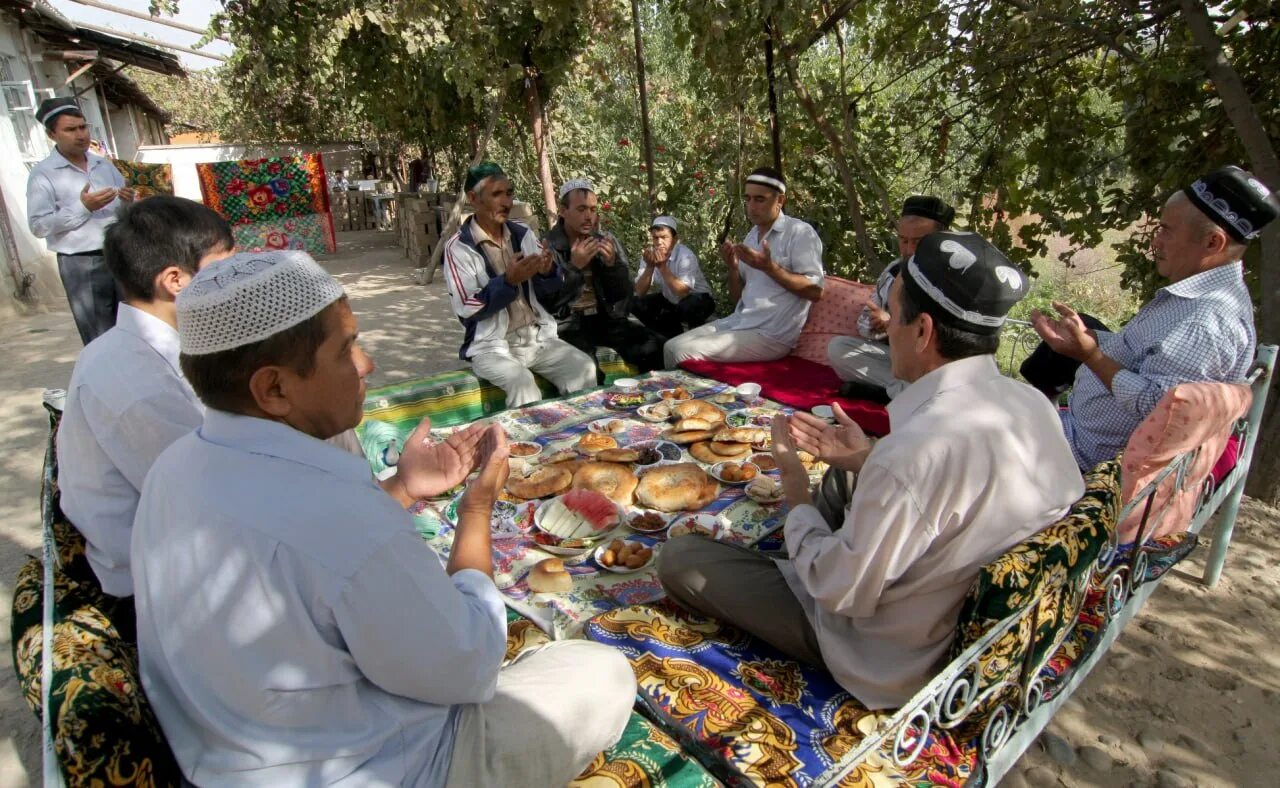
[863,361]
[293,626]
[683,297]
[774,274]
[973,465]
[499,279]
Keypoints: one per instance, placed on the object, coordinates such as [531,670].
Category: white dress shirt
[765,305]
[126,403]
[683,265]
[54,210]
[974,464]
[293,627]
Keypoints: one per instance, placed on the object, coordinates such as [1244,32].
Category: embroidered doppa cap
[575,184]
[972,282]
[52,107]
[930,208]
[1236,201]
[479,173]
[249,297]
[668,222]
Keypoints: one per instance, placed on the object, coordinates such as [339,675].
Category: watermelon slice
[596,507]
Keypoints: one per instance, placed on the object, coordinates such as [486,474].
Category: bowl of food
[765,462]
[575,523]
[654,452]
[734,472]
[709,525]
[624,556]
[626,385]
[525,449]
[607,426]
[677,394]
[649,522]
[624,400]
[765,490]
[656,412]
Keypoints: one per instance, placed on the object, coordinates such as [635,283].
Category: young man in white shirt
[774,275]
[683,299]
[293,626]
[974,464]
[72,197]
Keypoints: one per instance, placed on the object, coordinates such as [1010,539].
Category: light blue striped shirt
[1200,328]
[54,210]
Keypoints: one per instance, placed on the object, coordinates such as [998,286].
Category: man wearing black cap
[72,197]
[973,465]
[1199,327]
[863,362]
[774,275]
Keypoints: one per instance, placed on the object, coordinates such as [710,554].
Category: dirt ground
[1187,697]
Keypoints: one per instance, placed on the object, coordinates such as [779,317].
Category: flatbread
[618,455]
[543,481]
[726,449]
[702,452]
[742,435]
[677,488]
[607,478]
[594,442]
[685,437]
[698,409]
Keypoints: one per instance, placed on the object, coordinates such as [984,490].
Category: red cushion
[796,382]
[1227,462]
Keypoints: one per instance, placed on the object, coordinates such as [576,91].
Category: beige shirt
[500,255]
[974,464]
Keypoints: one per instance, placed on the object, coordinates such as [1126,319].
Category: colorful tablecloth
[560,424]
[146,180]
[279,203]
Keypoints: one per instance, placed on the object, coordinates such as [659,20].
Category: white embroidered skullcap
[249,297]
[575,184]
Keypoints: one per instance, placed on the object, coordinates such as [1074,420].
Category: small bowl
[524,450]
[668,452]
[824,412]
[765,462]
[719,467]
[766,500]
[708,524]
[666,521]
[627,385]
[750,392]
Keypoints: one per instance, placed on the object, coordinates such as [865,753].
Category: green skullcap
[485,169]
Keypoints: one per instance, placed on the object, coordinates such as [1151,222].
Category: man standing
[595,300]
[498,280]
[684,298]
[774,274]
[974,464]
[863,361]
[1198,327]
[72,196]
[293,626]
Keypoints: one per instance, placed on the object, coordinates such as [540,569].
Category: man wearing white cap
[293,627]
[774,274]
[594,304]
[500,282]
[683,299]
[72,197]
[974,464]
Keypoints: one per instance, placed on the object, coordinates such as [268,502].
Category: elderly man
[293,626]
[974,465]
[72,197]
[595,301]
[683,299]
[1198,327]
[863,361]
[499,278]
[774,274]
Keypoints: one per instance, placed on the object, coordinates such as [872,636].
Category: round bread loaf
[685,437]
[703,451]
[615,481]
[592,443]
[677,488]
[564,455]
[726,449]
[698,409]
[618,455]
[742,435]
[543,481]
[692,424]
[549,576]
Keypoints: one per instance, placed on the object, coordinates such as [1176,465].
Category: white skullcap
[575,184]
[664,221]
[249,297]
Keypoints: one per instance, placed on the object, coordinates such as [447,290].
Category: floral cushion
[834,315]
[1057,563]
[766,719]
[1190,416]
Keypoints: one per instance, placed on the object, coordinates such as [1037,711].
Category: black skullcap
[485,169]
[930,208]
[972,282]
[1236,201]
[52,107]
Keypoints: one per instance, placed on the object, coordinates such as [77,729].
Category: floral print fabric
[279,203]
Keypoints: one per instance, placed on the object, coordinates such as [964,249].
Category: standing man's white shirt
[294,628]
[54,210]
[765,305]
[974,464]
[127,402]
[684,266]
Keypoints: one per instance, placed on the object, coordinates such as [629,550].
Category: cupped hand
[428,468]
[1067,335]
[841,445]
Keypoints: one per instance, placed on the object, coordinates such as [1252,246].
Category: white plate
[715,472]
[601,426]
[622,570]
[646,412]
[588,541]
[763,500]
[529,456]
[664,394]
[683,525]
[666,521]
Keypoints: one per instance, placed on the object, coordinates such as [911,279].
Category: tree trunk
[533,103]
[1264,482]
[775,128]
[646,137]
[455,214]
